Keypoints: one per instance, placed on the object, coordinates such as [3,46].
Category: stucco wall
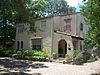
[76,19]
[57,37]
[26,35]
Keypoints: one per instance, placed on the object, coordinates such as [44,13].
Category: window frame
[20,28]
[43,25]
[67,25]
[37,46]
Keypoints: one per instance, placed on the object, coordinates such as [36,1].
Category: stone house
[60,33]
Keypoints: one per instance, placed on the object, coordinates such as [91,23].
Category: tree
[10,13]
[91,10]
[15,11]
[59,6]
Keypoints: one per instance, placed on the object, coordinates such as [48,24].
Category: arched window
[18,45]
[21,44]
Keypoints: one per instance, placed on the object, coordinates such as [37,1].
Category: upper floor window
[67,25]
[81,26]
[32,27]
[20,28]
[43,25]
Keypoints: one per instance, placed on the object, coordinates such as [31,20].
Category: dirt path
[25,67]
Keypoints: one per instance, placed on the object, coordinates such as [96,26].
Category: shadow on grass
[19,73]
[19,65]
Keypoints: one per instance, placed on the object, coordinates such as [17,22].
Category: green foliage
[91,11]
[23,54]
[77,57]
[68,58]
[59,6]
[92,59]
[30,54]
[80,57]
[18,54]
[17,11]
[76,52]
[11,11]
[40,53]
[6,53]
[54,55]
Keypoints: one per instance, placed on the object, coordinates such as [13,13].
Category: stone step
[59,60]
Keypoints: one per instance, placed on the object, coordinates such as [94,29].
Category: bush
[86,56]
[18,54]
[54,55]
[6,53]
[24,54]
[1,53]
[77,57]
[30,54]
[68,58]
[39,55]
[92,58]
[83,57]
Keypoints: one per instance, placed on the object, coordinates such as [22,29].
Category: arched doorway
[62,48]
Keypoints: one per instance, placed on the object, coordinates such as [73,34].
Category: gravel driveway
[10,66]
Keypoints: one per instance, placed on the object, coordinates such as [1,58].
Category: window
[21,44]
[20,28]
[80,45]
[36,44]
[18,45]
[32,28]
[81,26]
[67,25]
[43,25]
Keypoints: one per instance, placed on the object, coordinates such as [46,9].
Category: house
[59,33]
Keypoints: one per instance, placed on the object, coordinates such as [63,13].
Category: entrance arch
[62,48]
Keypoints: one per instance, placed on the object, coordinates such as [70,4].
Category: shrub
[68,58]
[6,53]
[1,53]
[39,55]
[18,54]
[77,57]
[30,54]
[54,55]
[27,53]
[92,58]
[86,56]
[24,54]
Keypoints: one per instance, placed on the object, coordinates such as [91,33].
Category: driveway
[9,66]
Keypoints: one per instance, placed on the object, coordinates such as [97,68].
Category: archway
[62,48]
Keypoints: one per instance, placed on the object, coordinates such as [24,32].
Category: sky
[75,3]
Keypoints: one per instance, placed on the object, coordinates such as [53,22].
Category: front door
[62,48]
